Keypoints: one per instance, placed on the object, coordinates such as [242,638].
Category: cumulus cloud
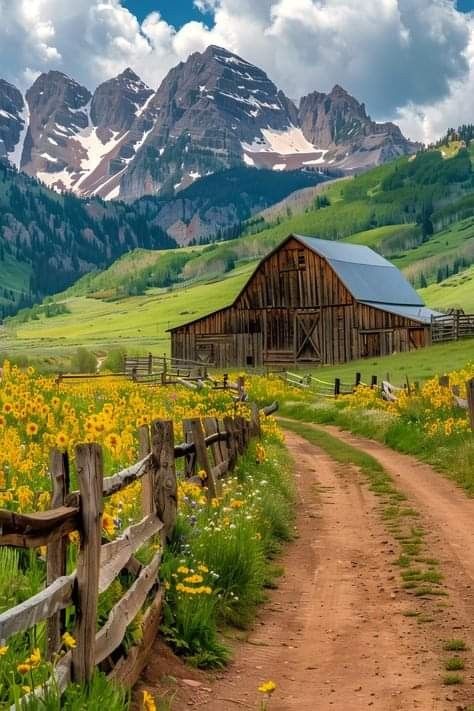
[410,59]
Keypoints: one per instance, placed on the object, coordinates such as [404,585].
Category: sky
[410,61]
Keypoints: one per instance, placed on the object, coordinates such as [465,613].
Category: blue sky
[466,5]
[176,12]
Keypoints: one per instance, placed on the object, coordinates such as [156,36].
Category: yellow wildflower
[148,702]
[69,640]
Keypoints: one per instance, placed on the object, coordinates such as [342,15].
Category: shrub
[83,361]
[115,360]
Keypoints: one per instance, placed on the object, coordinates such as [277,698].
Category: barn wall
[295,309]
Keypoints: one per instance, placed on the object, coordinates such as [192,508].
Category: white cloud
[410,58]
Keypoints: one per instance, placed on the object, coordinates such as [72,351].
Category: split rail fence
[333,389]
[211,445]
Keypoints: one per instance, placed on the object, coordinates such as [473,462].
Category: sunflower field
[218,562]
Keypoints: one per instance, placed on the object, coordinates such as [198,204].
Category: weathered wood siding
[295,309]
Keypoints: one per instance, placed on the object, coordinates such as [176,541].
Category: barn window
[249,360]
[301,259]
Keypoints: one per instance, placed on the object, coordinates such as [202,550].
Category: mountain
[48,240]
[353,141]
[213,112]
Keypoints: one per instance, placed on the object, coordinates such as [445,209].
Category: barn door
[308,336]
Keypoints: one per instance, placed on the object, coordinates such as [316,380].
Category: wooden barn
[310,301]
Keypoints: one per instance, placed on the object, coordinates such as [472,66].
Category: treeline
[62,236]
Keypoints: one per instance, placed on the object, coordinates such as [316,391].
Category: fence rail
[212,445]
[452,327]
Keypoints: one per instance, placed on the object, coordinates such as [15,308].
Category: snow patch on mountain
[284,142]
[14,156]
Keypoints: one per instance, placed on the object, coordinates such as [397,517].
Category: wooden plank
[470,401]
[112,633]
[190,455]
[270,409]
[202,457]
[57,550]
[115,555]
[165,486]
[127,476]
[219,470]
[90,474]
[148,505]
[37,608]
[42,521]
[232,441]
[70,523]
[128,669]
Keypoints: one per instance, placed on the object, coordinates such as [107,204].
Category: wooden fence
[330,389]
[211,445]
[139,366]
[452,327]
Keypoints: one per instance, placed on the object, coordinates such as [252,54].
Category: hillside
[455,292]
[47,240]
[405,210]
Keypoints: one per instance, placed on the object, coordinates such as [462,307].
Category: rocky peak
[118,101]
[332,118]
[12,122]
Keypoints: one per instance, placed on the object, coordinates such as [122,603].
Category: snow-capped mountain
[212,112]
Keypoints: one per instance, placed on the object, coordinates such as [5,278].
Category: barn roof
[367,275]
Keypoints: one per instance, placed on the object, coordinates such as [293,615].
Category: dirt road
[334,635]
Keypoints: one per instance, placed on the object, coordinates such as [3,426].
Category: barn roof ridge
[369,277]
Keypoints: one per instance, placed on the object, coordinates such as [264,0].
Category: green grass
[455,292]
[439,250]
[386,239]
[455,645]
[231,545]
[417,365]
[138,322]
[454,664]
[453,679]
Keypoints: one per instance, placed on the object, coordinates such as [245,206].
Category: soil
[334,635]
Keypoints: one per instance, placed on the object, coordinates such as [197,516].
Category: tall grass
[228,544]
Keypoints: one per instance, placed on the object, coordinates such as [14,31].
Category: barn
[313,302]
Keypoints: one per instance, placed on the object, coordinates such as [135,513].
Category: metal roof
[367,275]
[417,313]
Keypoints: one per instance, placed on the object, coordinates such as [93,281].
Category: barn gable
[310,300]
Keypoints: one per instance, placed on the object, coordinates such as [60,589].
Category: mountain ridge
[212,112]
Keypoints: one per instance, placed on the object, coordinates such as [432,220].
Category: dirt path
[334,636]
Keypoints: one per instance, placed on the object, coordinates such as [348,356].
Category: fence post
[373,382]
[189,459]
[231,440]
[56,555]
[358,379]
[202,457]
[225,381]
[241,387]
[150,363]
[165,487]
[144,448]
[470,400]
[256,428]
[89,463]
[211,428]
[337,387]
[443,381]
